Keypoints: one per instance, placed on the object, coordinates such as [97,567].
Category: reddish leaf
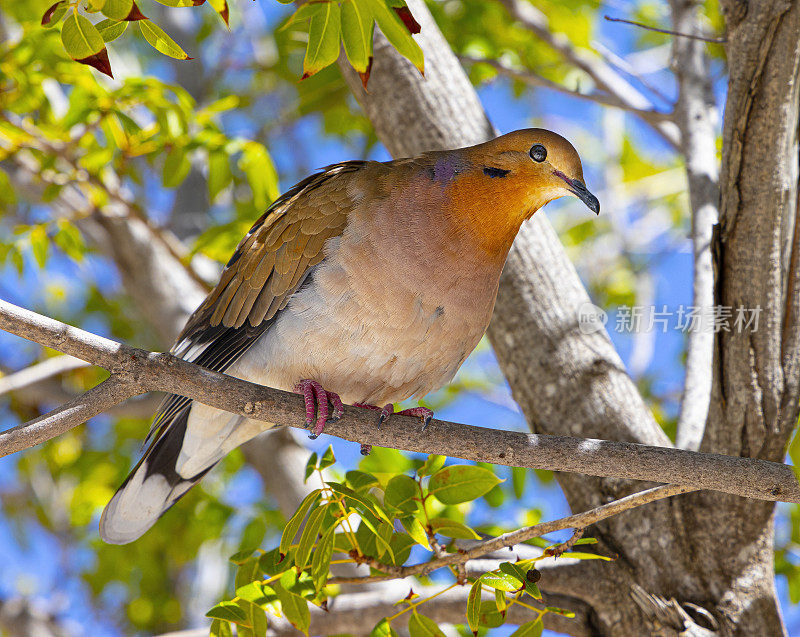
[365,74]
[48,15]
[135,14]
[404,13]
[99,61]
[221,7]
[197,3]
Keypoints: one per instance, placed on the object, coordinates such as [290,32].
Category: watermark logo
[684,318]
[591,318]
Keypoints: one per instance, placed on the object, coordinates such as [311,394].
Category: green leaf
[181,3]
[293,525]
[247,573]
[402,494]
[160,41]
[256,617]
[560,611]
[240,557]
[80,37]
[219,173]
[577,555]
[519,573]
[360,499]
[261,174]
[490,616]
[327,458]
[68,238]
[432,464]
[220,628]
[40,244]
[117,9]
[357,33]
[502,581]
[54,13]
[474,605]
[221,7]
[311,466]
[518,477]
[7,195]
[321,560]
[415,529]
[421,626]
[532,628]
[451,528]
[383,629]
[323,38]
[382,533]
[585,540]
[176,165]
[361,481]
[294,608]
[229,612]
[271,562]
[500,600]
[401,547]
[461,483]
[309,537]
[252,592]
[397,33]
[110,30]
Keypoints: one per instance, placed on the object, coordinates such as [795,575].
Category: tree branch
[578,521]
[696,116]
[680,34]
[39,372]
[649,115]
[603,75]
[135,371]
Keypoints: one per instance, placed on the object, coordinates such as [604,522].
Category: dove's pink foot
[316,399]
[388,410]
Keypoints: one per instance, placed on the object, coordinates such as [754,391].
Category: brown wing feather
[269,263]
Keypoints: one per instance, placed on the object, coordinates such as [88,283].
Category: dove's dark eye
[538,152]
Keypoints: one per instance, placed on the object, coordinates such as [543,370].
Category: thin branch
[534,79]
[576,521]
[691,36]
[696,116]
[604,76]
[150,371]
[357,613]
[39,372]
[97,400]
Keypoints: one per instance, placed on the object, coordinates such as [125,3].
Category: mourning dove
[368,282]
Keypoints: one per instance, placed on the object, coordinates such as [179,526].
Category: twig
[603,75]
[696,116]
[576,521]
[141,371]
[559,549]
[529,77]
[39,372]
[691,36]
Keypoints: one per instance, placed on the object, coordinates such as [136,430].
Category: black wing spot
[495,172]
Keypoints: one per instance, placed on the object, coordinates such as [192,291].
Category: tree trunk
[711,553]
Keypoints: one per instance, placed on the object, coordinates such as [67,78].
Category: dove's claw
[316,399]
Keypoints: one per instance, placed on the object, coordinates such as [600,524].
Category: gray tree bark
[570,383]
